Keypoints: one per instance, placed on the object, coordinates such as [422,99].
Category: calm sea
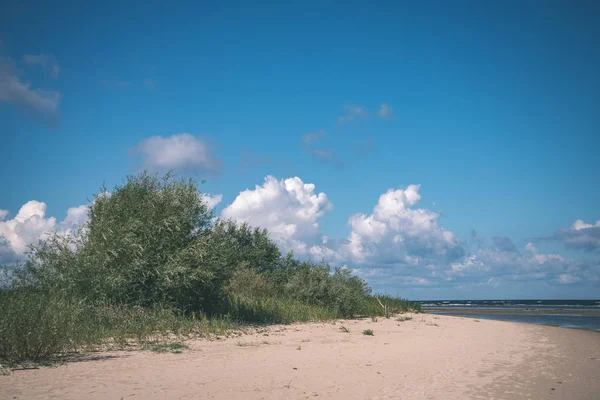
[578,314]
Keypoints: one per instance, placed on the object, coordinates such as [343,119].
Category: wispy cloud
[353,112]
[309,142]
[46,61]
[40,104]
[385,111]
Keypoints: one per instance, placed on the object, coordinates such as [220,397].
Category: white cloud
[385,111]
[581,236]
[76,218]
[31,224]
[353,112]
[395,234]
[506,265]
[212,200]
[181,152]
[288,208]
[46,61]
[468,265]
[542,258]
[40,104]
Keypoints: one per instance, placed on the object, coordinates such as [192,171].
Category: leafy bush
[149,242]
[249,283]
[152,262]
[314,284]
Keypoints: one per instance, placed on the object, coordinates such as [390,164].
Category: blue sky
[492,107]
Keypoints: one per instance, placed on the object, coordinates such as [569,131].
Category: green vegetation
[402,319]
[368,332]
[152,266]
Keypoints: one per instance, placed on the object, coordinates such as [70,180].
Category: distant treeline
[152,262]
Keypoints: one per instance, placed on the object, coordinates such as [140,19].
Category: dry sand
[429,357]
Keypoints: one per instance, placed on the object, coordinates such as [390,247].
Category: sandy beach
[428,357]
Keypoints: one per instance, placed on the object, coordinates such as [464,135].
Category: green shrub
[314,284]
[152,264]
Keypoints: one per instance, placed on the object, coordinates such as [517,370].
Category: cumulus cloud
[397,234]
[31,224]
[40,104]
[76,218]
[385,111]
[288,208]
[212,200]
[399,244]
[46,61]
[581,236]
[179,152]
[353,112]
[309,144]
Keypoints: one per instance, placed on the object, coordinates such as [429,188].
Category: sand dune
[428,357]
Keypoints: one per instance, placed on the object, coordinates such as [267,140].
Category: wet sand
[428,357]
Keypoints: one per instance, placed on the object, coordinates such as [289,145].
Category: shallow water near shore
[577,314]
[574,321]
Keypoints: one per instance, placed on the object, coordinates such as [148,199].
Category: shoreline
[568,319]
[480,310]
[430,356]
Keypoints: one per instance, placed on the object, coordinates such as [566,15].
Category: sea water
[578,314]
